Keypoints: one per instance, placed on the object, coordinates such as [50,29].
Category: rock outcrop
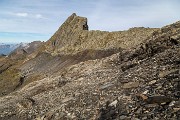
[82,74]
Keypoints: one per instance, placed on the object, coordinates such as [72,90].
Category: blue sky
[29,20]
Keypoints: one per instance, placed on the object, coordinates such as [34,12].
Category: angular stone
[131,85]
[172,103]
[159,99]
[67,99]
[152,82]
[145,92]
[114,103]
[122,117]
[106,86]
[166,72]
[176,109]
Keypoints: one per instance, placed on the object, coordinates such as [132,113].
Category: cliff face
[82,74]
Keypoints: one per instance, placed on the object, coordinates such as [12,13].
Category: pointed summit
[76,22]
[73,26]
[72,16]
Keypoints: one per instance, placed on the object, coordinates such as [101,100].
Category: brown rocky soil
[127,75]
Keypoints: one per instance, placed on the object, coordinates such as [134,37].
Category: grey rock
[114,103]
[122,117]
[131,85]
[107,85]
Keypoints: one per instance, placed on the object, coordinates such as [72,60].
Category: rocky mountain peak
[75,23]
[73,26]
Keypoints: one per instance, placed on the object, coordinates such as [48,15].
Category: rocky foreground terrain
[94,75]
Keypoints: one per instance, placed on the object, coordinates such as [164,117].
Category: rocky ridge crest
[73,37]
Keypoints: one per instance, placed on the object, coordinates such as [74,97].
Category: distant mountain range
[6,48]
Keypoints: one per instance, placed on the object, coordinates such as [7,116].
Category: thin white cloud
[39,16]
[21,14]
[29,15]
